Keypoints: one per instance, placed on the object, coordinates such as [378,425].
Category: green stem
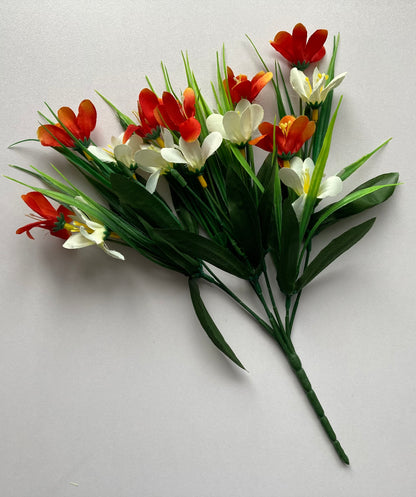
[296,365]
[217,282]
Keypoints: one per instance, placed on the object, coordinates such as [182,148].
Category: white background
[109,387]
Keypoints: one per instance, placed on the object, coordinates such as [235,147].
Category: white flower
[298,177]
[122,152]
[237,125]
[87,232]
[316,93]
[151,161]
[193,154]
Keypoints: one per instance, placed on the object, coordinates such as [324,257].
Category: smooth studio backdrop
[108,385]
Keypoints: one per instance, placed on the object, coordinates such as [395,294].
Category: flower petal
[210,145]
[291,179]
[330,187]
[173,155]
[87,118]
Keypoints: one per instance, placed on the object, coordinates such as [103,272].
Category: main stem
[296,365]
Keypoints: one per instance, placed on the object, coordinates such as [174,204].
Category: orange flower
[289,135]
[179,117]
[80,126]
[241,87]
[149,125]
[294,47]
[47,217]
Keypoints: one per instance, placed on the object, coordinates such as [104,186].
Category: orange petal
[87,118]
[40,204]
[189,102]
[51,135]
[68,119]
[190,129]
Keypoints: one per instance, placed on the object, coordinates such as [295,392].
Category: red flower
[296,50]
[48,217]
[289,135]
[54,135]
[149,125]
[179,117]
[240,87]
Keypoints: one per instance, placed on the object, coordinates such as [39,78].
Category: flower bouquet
[221,210]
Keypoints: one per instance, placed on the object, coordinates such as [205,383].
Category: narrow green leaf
[347,171]
[332,251]
[237,154]
[208,324]
[244,218]
[124,120]
[289,249]
[363,203]
[150,207]
[266,210]
[206,250]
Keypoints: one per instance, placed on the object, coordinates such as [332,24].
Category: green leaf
[289,249]
[317,175]
[208,324]
[347,171]
[266,211]
[149,206]
[243,216]
[124,120]
[333,250]
[246,166]
[206,250]
[361,204]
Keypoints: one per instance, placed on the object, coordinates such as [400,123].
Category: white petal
[76,241]
[192,153]
[152,181]
[257,115]
[333,84]
[214,123]
[330,187]
[298,206]
[210,145]
[100,154]
[296,165]
[242,105]
[135,142]
[299,83]
[232,126]
[149,159]
[167,138]
[97,236]
[124,154]
[112,253]
[173,155]
[291,179]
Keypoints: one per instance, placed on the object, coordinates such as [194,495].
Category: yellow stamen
[202,181]
[315,113]
[160,142]
[306,182]
[286,163]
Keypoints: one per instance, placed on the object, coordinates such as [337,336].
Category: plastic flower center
[285,127]
[75,226]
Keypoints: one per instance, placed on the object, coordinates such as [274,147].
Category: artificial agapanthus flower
[298,177]
[295,47]
[237,125]
[49,218]
[240,87]
[86,232]
[289,135]
[313,94]
[80,126]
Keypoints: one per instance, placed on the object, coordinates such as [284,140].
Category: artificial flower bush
[224,211]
